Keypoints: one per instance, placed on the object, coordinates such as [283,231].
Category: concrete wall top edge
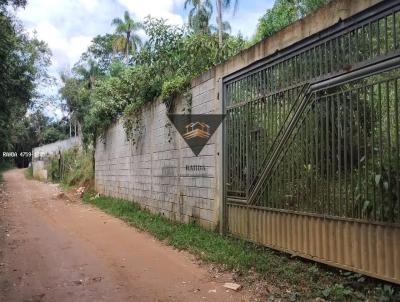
[56,146]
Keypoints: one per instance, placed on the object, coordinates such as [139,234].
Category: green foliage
[199,15]
[15,3]
[173,88]
[126,41]
[163,67]
[284,13]
[4,166]
[279,16]
[34,130]
[304,282]
[73,167]
[29,173]
[132,122]
[23,65]
[109,99]
[338,292]
[102,51]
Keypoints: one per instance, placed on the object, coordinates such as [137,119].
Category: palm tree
[127,40]
[199,15]
[221,5]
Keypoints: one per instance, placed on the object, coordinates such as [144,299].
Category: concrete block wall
[155,171]
[41,154]
[53,148]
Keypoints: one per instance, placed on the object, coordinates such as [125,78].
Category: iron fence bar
[354,75]
[379,10]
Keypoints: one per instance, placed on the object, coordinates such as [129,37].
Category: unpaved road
[53,249]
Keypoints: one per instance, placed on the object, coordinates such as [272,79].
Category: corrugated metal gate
[312,146]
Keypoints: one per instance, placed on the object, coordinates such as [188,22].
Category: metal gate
[312,146]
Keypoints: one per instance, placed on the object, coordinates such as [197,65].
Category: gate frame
[386,62]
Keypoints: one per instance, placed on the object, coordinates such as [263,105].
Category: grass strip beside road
[293,278]
[4,166]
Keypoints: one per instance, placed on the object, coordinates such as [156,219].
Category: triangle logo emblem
[196,129]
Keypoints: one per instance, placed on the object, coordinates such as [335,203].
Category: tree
[283,13]
[33,130]
[279,16]
[15,3]
[127,40]
[306,7]
[102,52]
[221,6]
[199,15]
[88,72]
[23,66]
[171,56]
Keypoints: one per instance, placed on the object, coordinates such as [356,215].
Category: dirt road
[53,249]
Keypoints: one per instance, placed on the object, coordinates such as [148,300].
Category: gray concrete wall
[153,171]
[42,153]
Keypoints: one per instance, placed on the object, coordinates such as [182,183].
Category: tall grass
[74,167]
[4,166]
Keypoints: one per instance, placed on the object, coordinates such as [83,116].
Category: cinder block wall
[153,171]
[41,154]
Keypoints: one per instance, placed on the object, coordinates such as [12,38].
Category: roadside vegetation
[29,173]
[282,276]
[4,166]
[71,168]
[24,62]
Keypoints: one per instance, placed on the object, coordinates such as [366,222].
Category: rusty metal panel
[369,248]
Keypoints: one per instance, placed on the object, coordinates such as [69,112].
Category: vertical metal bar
[359,214]
[378,38]
[334,61]
[333,123]
[345,150]
[351,122]
[397,132]
[350,50]
[389,149]
[322,131]
[365,42]
[317,129]
[381,145]
[394,31]
[225,149]
[236,146]
[366,159]
[371,53]
[386,36]
[357,46]
[327,150]
[301,70]
[339,153]
[372,148]
[320,60]
[242,140]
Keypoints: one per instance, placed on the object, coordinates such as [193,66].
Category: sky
[68,26]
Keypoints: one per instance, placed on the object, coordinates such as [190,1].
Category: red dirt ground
[53,249]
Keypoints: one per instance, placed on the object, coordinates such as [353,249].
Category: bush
[72,167]
[5,165]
